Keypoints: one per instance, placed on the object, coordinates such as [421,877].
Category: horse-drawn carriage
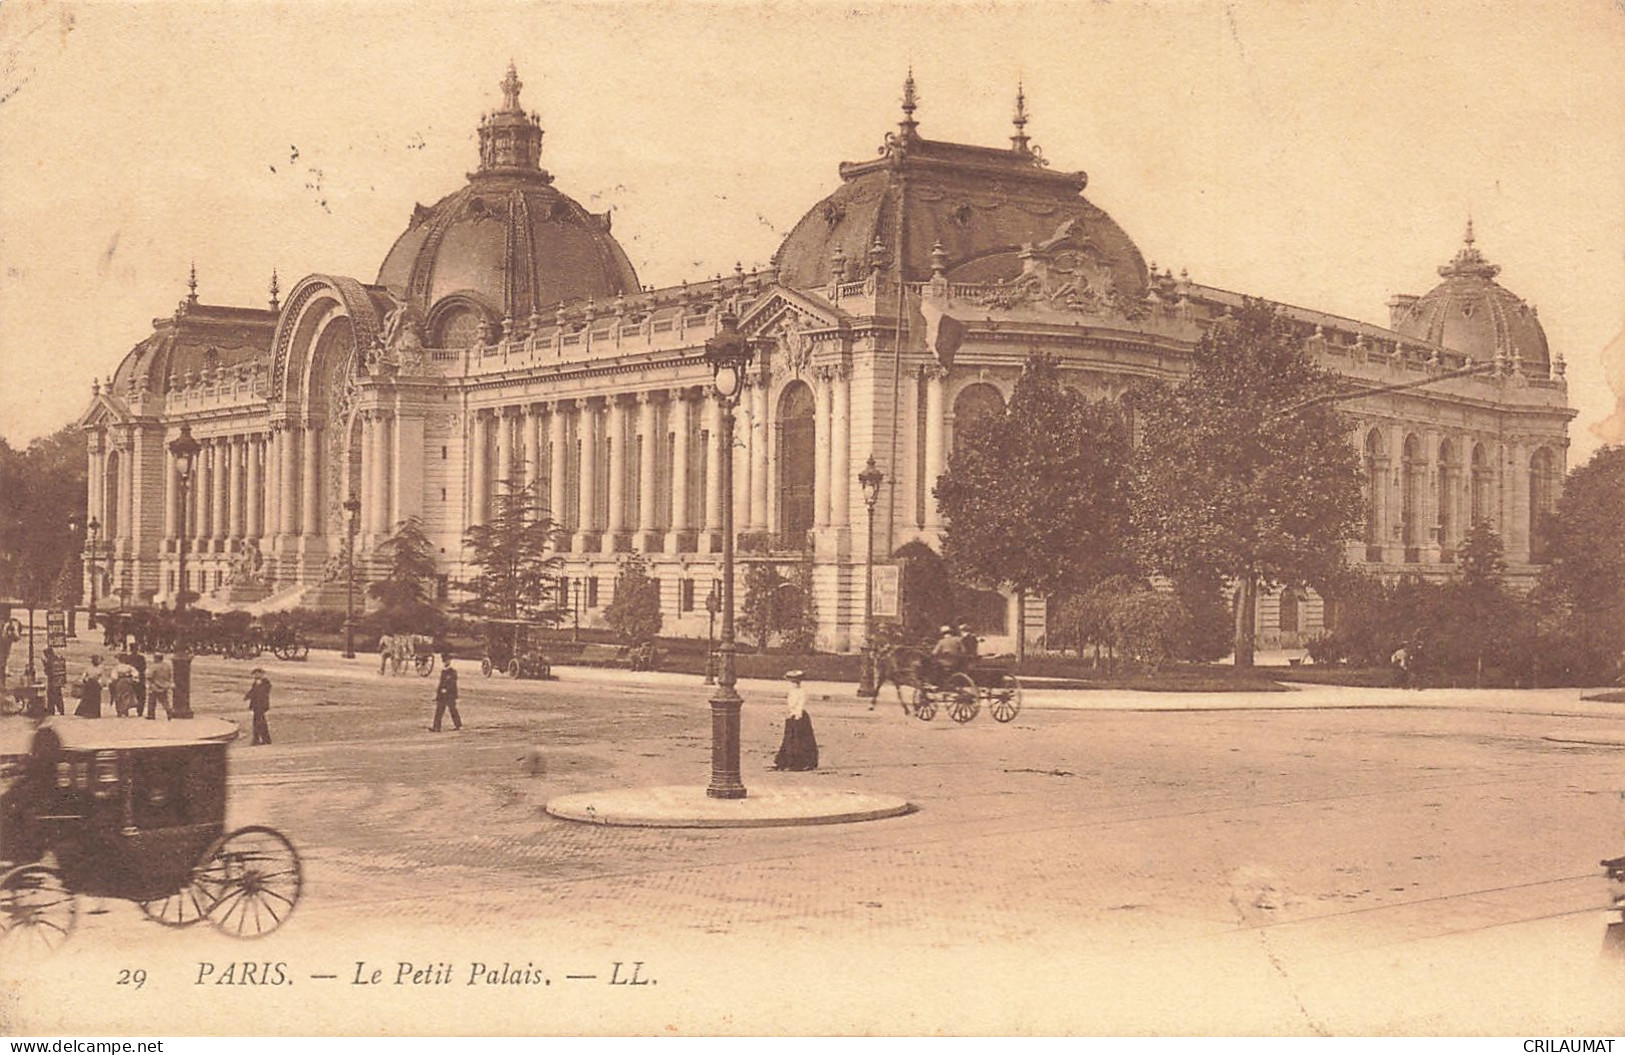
[514,647]
[135,811]
[961,691]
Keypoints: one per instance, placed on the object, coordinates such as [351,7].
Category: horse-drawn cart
[134,811]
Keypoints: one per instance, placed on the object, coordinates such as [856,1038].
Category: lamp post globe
[869,480]
[352,512]
[728,354]
[184,449]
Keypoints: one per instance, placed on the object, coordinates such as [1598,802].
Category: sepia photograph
[753,518]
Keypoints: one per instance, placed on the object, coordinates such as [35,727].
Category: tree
[762,581]
[1246,471]
[1036,498]
[774,604]
[1582,587]
[40,488]
[516,561]
[405,594]
[634,613]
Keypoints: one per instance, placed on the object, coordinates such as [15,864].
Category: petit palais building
[506,337]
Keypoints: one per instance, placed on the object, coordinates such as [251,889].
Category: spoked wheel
[513,669]
[925,708]
[964,705]
[1005,698]
[485,666]
[425,665]
[301,651]
[283,652]
[37,910]
[251,880]
[188,905]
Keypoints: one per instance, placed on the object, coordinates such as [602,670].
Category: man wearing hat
[799,749]
[445,696]
[259,701]
[948,653]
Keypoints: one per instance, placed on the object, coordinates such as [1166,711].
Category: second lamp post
[870,480]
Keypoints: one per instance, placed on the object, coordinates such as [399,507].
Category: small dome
[508,240]
[1469,312]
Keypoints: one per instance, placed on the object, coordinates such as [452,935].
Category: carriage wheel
[252,877]
[282,651]
[1005,698]
[513,669]
[485,666]
[37,910]
[425,665]
[301,651]
[964,704]
[925,708]
[186,906]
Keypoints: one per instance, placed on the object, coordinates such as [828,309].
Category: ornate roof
[198,341]
[1471,313]
[508,239]
[981,205]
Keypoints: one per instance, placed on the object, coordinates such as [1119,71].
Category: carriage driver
[948,654]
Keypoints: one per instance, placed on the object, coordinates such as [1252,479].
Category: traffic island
[685,806]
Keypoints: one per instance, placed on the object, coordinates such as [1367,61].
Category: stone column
[127,527]
[1517,535]
[760,480]
[535,466]
[405,468]
[1432,543]
[383,495]
[682,429]
[935,381]
[1394,544]
[255,516]
[219,467]
[95,490]
[840,459]
[714,453]
[291,440]
[587,514]
[744,440]
[273,493]
[310,502]
[557,465]
[823,428]
[234,486]
[479,453]
[617,474]
[648,538]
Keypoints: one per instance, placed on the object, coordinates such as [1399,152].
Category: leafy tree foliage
[634,613]
[1582,588]
[40,488]
[1036,498]
[405,594]
[928,596]
[1242,475]
[1124,618]
[774,604]
[515,559]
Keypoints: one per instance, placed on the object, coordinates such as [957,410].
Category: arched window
[1413,475]
[110,498]
[1542,499]
[798,462]
[976,403]
[1376,467]
[1449,482]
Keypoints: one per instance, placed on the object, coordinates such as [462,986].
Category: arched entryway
[798,463]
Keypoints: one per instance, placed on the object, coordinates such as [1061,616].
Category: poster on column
[963,243]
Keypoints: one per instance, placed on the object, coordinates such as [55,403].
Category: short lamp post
[713,605]
[185,449]
[870,480]
[352,522]
[92,531]
[728,354]
[76,525]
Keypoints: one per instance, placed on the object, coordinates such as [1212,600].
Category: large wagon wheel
[425,664]
[1004,698]
[301,649]
[485,666]
[284,650]
[964,704]
[252,879]
[37,910]
[925,708]
[513,669]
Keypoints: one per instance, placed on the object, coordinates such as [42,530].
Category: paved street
[1324,861]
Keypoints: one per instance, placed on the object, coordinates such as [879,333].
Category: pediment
[784,308]
[105,410]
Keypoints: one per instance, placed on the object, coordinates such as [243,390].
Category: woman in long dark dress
[799,751]
[90,691]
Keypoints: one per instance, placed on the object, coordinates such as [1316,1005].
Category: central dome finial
[510,139]
[908,125]
[510,90]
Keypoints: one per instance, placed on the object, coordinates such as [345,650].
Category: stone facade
[507,339]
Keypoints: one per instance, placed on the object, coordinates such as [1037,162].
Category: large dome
[981,205]
[1469,312]
[508,242]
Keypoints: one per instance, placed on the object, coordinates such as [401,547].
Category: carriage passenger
[948,654]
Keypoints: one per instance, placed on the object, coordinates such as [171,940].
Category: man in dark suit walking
[259,702]
[445,696]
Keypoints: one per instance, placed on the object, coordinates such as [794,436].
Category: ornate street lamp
[870,480]
[185,449]
[713,605]
[352,509]
[729,354]
[94,528]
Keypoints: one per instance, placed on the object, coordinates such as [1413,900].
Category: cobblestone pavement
[1081,869]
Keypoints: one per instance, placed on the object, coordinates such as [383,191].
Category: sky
[1325,155]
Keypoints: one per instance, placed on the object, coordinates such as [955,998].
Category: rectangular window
[171,582]
[685,595]
[442,494]
[442,453]
[592,591]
